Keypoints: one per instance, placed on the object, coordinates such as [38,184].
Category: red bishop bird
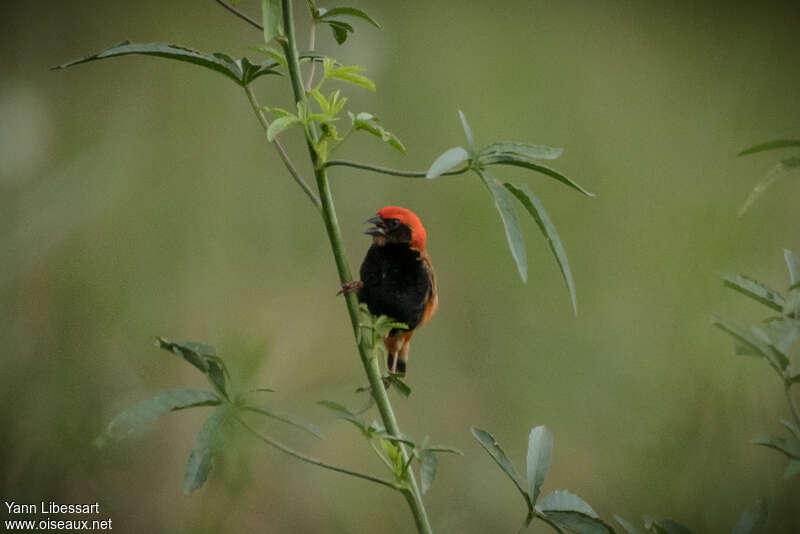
[397,279]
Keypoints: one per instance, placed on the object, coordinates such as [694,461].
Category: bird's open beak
[378,229]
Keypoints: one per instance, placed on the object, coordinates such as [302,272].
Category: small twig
[302,457]
[387,170]
[241,15]
[282,151]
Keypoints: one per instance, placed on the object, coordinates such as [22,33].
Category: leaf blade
[540,452]
[548,229]
[770,145]
[217,62]
[286,418]
[207,445]
[519,161]
[525,150]
[448,160]
[755,290]
[467,131]
[753,520]
[349,12]
[511,225]
[270,19]
[490,444]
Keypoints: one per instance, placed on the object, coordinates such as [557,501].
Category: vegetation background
[139,198]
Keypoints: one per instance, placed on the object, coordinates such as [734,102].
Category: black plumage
[395,283]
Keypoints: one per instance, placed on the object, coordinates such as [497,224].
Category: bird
[397,279]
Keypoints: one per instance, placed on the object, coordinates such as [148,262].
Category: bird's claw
[350,287]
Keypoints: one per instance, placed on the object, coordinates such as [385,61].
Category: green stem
[281,151]
[370,363]
[313,461]
[387,170]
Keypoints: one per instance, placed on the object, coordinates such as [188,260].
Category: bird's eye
[392,223]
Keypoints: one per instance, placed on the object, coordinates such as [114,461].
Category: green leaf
[540,451]
[536,209]
[444,448]
[753,520]
[340,31]
[286,418]
[272,53]
[777,173]
[241,71]
[427,472]
[488,442]
[630,529]
[347,73]
[665,526]
[369,123]
[756,344]
[523,150]
[792,428]
[467,131]
[792,470]
[790,447]
[756,291]
[449,160]
[144,413]
[395,456]
[518,160]
[771,145]
[793,265]
[572,513]
[189,351]
[504,204]
[207,445]
[271,18]
[402,387]
[782,334]
[343,413]
[281,124]
[347,12]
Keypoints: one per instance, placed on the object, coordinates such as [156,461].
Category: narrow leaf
[349,12]
[792,470]
[790,447]
[524,150]
[140,415]
[793,265]
[339,32]
[572,513]
[629,528]
[540,451]
[504,203]
[218,62]
[279,125]
[427,472]
[754,344]
[444,448]
[666,526]
[207,445]
[191,352]
[536,209]
[488,442]
[770,145]
[756,291]
[402,388]
[792,428]
[351,74]
[270,18]
[777,173]
[286,418]
[467,131]
[753,520]
[449,160]
[369,123]
[520,161]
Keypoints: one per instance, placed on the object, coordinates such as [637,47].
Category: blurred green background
[140,198]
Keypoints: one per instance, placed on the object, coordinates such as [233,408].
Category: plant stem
[240,14]
[281,151]
[311,42]
[309,460]
[387,170]
[370,363]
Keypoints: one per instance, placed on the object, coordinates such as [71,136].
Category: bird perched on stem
[397,279]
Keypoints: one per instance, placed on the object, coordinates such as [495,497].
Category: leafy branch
[772,339]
